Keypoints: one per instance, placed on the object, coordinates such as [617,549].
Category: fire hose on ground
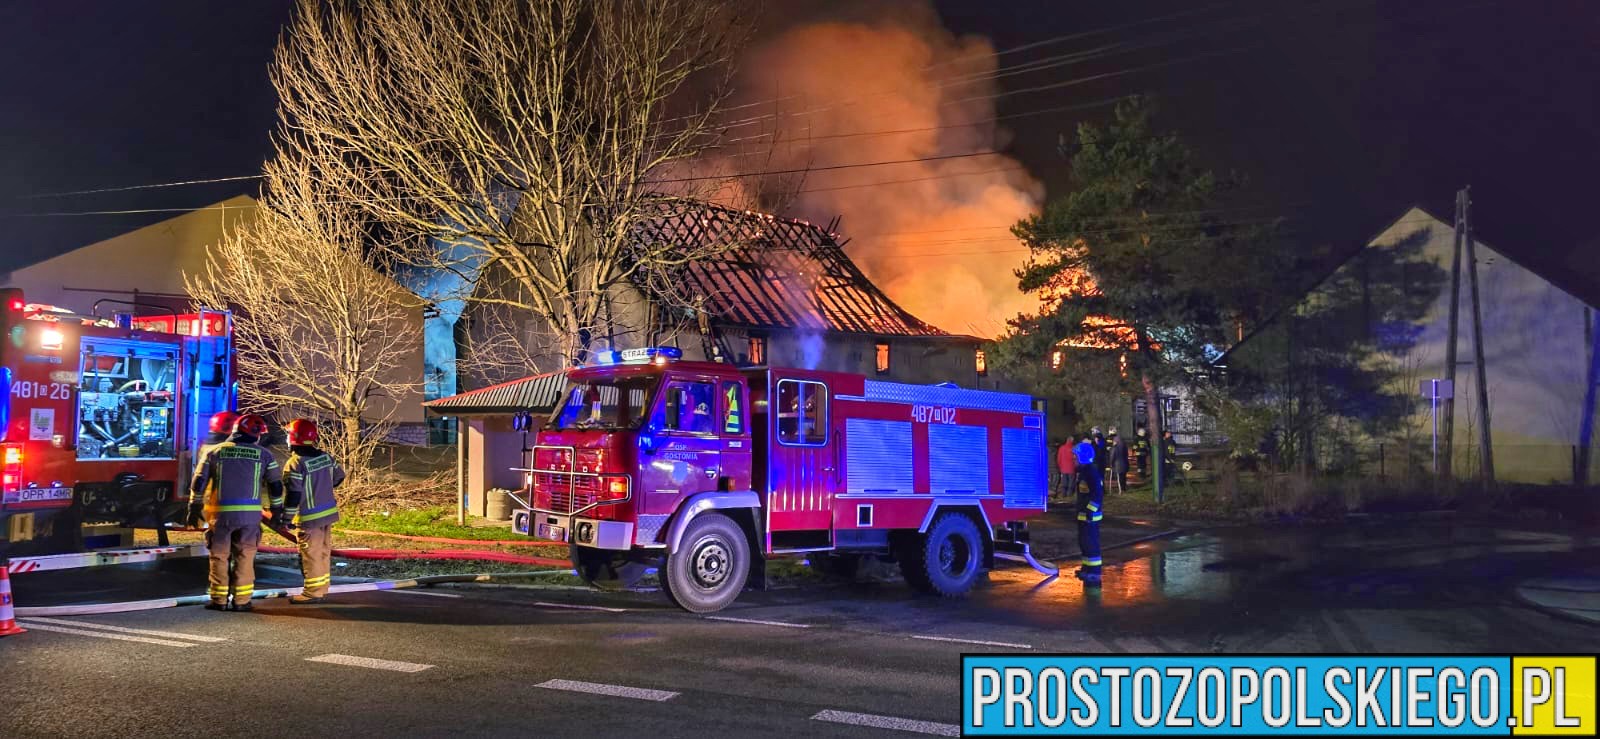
[471,554]
[87,609]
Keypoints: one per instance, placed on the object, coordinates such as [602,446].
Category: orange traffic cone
[8,615]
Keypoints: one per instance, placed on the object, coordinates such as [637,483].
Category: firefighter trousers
[316,550]
[233,561]
[1089,515]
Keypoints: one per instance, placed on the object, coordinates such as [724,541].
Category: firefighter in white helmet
[311,476]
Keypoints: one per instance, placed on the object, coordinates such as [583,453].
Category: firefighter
[226,493]
[1141,454]
[310,478]
[1089,512]
[1102,452]
[1169,454]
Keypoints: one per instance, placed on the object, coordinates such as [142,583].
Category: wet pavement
[1419,584]
[497,660]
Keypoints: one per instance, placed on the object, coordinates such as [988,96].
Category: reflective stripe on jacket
[311,477]
[230,476]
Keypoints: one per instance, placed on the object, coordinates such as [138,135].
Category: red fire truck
[100,418]
[703,470]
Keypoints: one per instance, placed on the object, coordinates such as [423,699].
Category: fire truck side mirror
[647,438]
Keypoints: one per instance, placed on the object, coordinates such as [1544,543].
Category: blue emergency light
[657,354]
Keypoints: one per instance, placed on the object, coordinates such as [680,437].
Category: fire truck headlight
[51,339]
[586,531]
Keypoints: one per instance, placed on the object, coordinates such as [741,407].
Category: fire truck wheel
[709,569]
[946,561]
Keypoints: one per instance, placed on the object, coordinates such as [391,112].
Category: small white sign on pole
[1436,390]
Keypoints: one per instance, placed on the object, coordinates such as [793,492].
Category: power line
[143,187]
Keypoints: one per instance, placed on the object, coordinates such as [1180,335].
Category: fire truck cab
[101,417]
[703,470]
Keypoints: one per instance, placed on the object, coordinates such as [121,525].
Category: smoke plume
[895,85]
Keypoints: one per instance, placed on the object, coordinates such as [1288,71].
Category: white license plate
[553,533]
[35,495]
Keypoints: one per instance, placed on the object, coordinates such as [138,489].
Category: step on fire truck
[704,470]
[101,417]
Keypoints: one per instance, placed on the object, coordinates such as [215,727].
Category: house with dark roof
[783,293]
[1537,338]
[774,291]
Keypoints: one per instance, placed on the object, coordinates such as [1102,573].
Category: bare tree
[524,139]
[319,331]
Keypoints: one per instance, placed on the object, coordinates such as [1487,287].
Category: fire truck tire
[947,560]
[709,568]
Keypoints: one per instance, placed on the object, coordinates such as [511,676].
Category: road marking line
[414,591]
[103,635]
[123,630]
[578,607]
[979,642]
[619,691]
[757,621]
[887,722]
[369,662]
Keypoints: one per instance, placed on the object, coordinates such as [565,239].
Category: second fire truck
[100,418]
[704,470]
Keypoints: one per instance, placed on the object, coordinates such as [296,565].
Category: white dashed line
[758,622]
[102,634]
[887,722]
[369,662]
[122,630]
[578,607]
[414,591]
[619,691]
[979,642]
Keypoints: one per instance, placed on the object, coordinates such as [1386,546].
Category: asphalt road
[838,659]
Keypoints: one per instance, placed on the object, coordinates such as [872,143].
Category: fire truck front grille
[565,493]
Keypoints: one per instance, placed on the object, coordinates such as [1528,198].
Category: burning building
[782,292]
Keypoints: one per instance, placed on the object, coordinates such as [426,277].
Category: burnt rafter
[772,273]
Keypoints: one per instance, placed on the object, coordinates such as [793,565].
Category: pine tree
[1138,265]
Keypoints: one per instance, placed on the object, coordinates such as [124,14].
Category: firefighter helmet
[303,431]
[251,425]
[222,422]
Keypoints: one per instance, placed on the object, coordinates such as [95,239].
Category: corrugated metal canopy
[775,272]
[538,394]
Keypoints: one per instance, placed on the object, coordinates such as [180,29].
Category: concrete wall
[493,448]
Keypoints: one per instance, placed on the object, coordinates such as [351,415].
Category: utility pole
[1448,433]
[1580,476]
[1484,439]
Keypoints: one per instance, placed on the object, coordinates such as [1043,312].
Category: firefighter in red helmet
[310,478]
[228,483]
[217,431]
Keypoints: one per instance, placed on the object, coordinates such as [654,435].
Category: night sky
[1341,113]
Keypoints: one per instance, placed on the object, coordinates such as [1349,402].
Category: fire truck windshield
[618,404]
